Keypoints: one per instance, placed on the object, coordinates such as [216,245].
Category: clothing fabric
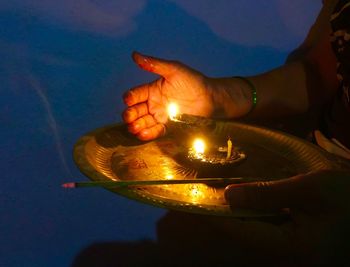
[337,119]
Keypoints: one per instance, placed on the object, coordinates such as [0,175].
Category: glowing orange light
[172,110]
[196,193]
[198,146]
[169,176]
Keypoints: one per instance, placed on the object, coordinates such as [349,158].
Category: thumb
[269,195]
[156,65]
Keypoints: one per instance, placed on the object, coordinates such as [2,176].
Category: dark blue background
[61,77]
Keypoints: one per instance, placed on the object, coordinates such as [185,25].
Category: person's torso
[337,117]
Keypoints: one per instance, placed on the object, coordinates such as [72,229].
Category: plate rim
[91,173]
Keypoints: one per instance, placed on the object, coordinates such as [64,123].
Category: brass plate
[111,153]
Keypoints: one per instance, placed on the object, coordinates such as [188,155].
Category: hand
[319,204]
[146,113]
[319,192]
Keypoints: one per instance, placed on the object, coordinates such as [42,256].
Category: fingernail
[236,196]
[137,56]
[144,62]
[128,115]
[127,97]
[143,135]
[135,53]
[134,128]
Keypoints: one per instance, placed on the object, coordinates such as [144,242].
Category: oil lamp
[204,154]
[197,150]
[187,121]
[212,154]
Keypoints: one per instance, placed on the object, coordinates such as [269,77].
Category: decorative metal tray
[111,153]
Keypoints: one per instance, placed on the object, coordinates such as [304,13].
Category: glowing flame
[169,176]
[172,111]
[199,146]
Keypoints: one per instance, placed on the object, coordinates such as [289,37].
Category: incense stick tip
[68,185]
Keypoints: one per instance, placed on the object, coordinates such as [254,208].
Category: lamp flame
[172,111]
[199,146]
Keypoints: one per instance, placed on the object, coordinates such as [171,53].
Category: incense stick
[231,180]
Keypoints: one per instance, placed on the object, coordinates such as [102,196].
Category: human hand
[318,192]
[146,113]
[319,204]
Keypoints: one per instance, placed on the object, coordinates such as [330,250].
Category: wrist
[253,98]
[233,97]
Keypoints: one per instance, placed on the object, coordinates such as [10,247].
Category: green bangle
[253,90]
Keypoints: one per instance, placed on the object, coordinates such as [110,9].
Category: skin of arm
[307,79]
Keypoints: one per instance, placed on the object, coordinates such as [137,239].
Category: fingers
[151,133]
[270,195]
[162,67]
[137,95]
[135,112]
[144,122]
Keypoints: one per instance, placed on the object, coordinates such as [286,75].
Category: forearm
[280,91]
[289,89]
[308,80]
